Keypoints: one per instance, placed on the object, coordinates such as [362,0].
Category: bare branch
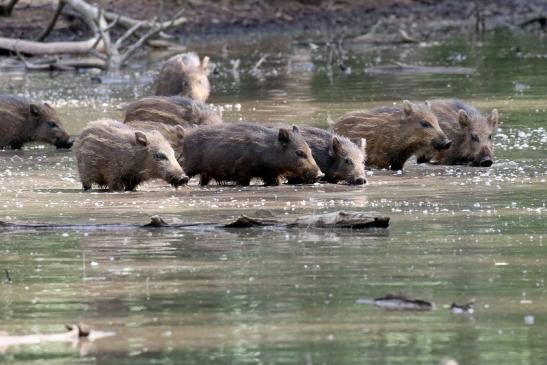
[98,54]
[134,47]
[6,9]
[127,34]
[103,34]
[256,68]
[128,22]
[154,31]
[111,25]
[63,64]
[106,53]
[49,28]
[46,48]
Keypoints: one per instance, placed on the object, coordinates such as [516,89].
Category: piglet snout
[65,144]
[179,180]
[359,181]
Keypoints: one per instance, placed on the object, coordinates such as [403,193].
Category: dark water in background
[288,296]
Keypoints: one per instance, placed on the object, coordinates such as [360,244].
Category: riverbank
[395,20]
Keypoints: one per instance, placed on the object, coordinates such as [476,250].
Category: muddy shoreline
[420,20]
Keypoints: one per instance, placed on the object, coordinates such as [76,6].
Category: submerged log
[411,69]
[246,222]
[353,220]
[74,333]
[399,302]
[345,220]
[468,308]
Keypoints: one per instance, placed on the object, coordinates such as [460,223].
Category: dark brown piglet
[241,152]
[337,157]
[22,121]
[470,132]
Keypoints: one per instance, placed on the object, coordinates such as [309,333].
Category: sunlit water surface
[264,296]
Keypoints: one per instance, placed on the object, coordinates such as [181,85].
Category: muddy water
[287,296]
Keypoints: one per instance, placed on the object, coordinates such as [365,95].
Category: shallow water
[266,296]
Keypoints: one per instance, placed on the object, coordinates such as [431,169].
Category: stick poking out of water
[74,333]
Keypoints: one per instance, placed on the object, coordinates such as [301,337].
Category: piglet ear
[362,144]
[141,139]
[463,119]
[407,107]
[493,119]
[205,65]
[336,146]
[283,136]
[219,111]
[295,129]
[179,132]
[34,110]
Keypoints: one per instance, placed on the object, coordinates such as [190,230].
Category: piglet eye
[52,125]
[160,156]
[490,137]
[425,124]
[301,153]
[348,161]
[474,137]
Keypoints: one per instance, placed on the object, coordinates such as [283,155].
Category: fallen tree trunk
[50,48]
[65,64]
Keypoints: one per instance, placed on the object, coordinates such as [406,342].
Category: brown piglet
[174,110]
[118,157]
[393,134]
[184,75]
